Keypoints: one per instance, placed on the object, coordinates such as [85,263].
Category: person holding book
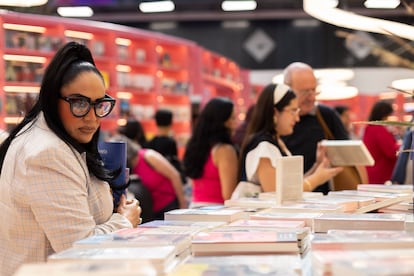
[309,131]
[155,172]
[276,113]
[53,186]
[210,158]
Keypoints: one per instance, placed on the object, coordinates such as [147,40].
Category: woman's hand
[130,209]
[324,172]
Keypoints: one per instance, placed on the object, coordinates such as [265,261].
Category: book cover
[362,240]
[348,153]
[251,223]
[125,238]
[367,221]
[114,158]
[222,214]
[295,207]
[270,214]
[401,189]
[242,242]
[289,179]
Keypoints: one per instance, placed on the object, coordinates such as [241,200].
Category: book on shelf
[362,239]
[289,179]
[270,214]
[205,214]
[348,153]
[179,226]
[400,189]
[238,242]
[367,221]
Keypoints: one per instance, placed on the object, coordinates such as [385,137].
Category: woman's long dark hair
[68,63]
[262,118]
[208,131]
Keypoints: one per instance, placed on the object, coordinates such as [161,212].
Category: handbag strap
[327,132]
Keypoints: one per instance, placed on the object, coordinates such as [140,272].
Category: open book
[348,153]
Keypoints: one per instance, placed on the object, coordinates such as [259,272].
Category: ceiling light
[336,92]
[381,4]
[22,3]
[24,28]
[83,11]
[320,10]
[79,35]
[157,6]
[246,5]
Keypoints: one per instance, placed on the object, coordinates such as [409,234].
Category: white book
[401,189]
[348,153]
[362,240]
[220,214]
[369,221]
[289,178]
[270,214]
[384,203]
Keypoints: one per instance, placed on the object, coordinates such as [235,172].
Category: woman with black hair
[53,186]
[275,114]
[210,158]
[381,143]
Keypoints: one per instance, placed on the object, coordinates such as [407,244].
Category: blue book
[114,157]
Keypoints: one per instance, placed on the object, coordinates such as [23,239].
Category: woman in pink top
[210,159]
[155,172]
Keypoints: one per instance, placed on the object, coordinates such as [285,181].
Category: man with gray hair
[308,131]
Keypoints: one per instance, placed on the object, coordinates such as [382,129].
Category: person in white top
[276,113]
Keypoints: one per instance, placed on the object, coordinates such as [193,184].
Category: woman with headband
[275,115]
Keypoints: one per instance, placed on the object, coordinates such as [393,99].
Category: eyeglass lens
[80,106]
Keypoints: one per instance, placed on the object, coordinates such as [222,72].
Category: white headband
[279,92]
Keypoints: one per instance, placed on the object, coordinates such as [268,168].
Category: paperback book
[222,214]
[369,221]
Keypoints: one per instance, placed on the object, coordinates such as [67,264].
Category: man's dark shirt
[308,132]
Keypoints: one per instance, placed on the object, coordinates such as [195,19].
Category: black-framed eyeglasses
[80,105]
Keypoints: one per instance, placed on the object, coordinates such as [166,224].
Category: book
[92,268]
[322,261]
[289,178]
[368,221]
[348,153]
[114,158]
[161,258]
[362,240]
[400,189]
[220,214]
[243,242]
[349,204]
[272,195]
[251,265]
[132,238]
[384,203]
[251,223]
[270,214]
[310,207]
[250,202]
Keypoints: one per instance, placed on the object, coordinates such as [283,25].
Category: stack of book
[368,221]
[219,213]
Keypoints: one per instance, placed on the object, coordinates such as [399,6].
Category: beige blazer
[48,199]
